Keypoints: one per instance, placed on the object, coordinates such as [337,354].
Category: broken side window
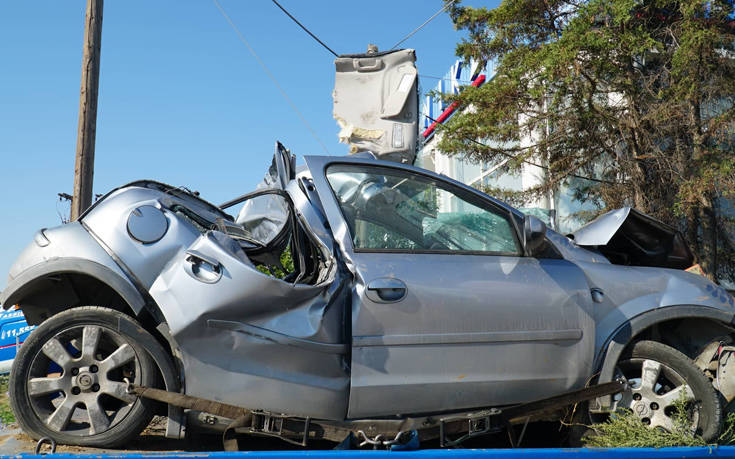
[393,210]
[273,238]
[267,233]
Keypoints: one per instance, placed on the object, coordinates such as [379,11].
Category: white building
[558,209]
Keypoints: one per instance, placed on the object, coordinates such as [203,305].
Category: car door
[447,311]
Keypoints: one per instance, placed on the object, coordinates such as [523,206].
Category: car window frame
[470,196]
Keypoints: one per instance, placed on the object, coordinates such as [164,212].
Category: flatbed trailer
[540,453]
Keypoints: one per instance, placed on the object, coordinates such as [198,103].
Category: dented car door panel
[453,342]
[270,344]
[453,330]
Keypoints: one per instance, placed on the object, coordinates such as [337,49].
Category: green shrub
[625,429]
[6,414]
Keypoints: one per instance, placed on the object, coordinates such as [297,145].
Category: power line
[270,75]
[425,22]
[305,29]
[608,182]
[444,78]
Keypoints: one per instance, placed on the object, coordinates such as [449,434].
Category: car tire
[69,378]
[674,373]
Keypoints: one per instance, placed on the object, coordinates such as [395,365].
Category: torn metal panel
[264,216]
[282,169]
[290,329]
[186,215]
[629,237]
[571,251]
[376,103]
[220,306]
[282,328]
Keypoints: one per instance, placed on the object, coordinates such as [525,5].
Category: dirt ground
[14,441]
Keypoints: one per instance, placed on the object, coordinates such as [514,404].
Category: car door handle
[202,267]
[386,290]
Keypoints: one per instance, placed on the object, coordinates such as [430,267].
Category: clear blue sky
[181,99]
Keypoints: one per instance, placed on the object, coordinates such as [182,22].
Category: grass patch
[625,429]
[6,414]
[728,431]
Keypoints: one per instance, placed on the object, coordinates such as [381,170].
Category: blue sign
[13,332]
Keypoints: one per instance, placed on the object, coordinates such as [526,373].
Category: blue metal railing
[541,453]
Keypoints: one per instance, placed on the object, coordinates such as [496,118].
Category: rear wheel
[68,381]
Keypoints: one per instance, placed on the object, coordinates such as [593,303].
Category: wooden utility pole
[84,164]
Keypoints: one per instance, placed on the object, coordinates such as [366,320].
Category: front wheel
[68,381]
[662,381]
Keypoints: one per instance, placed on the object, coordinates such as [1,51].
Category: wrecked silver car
[356,296]
[359,300]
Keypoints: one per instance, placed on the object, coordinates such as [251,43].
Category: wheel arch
[648,325]
[54,285]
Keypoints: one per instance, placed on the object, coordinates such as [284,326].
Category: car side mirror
[534,234]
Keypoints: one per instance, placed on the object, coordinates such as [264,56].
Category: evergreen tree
[635,93]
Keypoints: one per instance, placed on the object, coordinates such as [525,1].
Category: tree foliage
[635,93]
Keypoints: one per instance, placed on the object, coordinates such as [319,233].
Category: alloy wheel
[77,382]
[657,391]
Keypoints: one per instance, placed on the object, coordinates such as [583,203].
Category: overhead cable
[270,75]
[305,29]
[425,22]
[444,78]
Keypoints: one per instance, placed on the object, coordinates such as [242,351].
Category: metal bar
[449,110]
[187,401]
[520,412]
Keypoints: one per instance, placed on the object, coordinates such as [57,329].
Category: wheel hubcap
[76,382]
[85,381]
[656,392]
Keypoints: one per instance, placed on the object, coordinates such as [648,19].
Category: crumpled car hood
[629,237]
